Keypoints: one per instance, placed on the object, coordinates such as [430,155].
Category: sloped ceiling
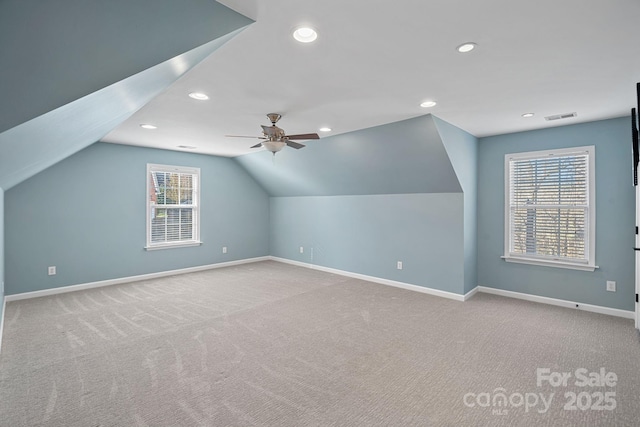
[54,52]
[462,149]
[80,74]
[33,146]
[397,158]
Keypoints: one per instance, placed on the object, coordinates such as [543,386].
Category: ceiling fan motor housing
[273,132]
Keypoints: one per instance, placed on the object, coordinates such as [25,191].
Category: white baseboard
[528,297]
[79,287]
[408,286]
[4,311]
[471,293]
[430,291]
[559,302]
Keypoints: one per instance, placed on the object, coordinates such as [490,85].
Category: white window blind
[172,206]
[549,207]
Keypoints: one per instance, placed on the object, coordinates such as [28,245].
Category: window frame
[195,206]
[586,264]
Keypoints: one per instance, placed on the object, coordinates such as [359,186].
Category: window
[550,208]
[172,206]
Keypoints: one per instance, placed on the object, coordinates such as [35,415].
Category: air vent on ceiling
[561,116]
[187,147]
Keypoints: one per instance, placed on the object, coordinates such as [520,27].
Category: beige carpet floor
[270,344]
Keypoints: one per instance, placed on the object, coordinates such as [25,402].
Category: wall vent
[561,116]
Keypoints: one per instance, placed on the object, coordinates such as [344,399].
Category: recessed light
[305,34]
[466,47]
[325,129]
[199,96]
[428,104]
[527,115]
[148,126]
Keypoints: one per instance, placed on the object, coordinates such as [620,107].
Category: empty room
[303,213]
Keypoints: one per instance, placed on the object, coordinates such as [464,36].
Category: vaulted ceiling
[374,62]
[76,72]
[80,68]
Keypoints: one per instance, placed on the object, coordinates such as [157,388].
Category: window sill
[172,245]
[549,263]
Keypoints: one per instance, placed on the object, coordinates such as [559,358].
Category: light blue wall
[369,198]
[369,234]
[462,149]
[615,213]
[86,216]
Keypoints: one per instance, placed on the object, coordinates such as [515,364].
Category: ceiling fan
[275,138]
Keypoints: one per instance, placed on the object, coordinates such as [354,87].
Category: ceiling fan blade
[303,136]
[257,145]
[242,136]
[295,145]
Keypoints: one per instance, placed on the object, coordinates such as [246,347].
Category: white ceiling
[375,61]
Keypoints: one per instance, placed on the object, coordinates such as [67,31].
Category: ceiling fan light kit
[275,138]
[273,146]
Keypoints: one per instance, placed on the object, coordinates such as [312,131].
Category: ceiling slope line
[63,50]
[405,157]
[33,146]
[462,151]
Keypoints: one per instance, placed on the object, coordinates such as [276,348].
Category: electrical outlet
[611,286]
[399,265]
[52,270]
[301,249]
[224,249]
